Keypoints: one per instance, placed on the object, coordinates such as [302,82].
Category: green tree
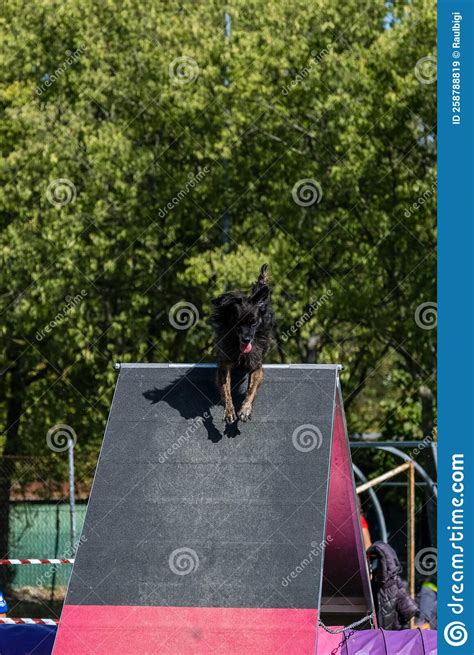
[147,159]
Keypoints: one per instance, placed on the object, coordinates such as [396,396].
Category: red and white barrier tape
[6,562]
[30,621]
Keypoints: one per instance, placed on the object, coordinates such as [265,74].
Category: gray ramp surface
[186,512]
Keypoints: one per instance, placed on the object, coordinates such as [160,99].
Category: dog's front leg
[255,380]
[224,384]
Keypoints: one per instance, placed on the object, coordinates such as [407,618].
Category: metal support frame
[384,476]
[72,499]
[422,445]
[367,486]
[387,446]
[411,529]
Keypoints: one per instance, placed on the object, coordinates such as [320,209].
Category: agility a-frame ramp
[201,539]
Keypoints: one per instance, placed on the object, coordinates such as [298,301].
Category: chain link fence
[35,522]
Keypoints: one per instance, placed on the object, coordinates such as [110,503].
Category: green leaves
[140,176]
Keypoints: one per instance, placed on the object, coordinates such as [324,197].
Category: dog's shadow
[194,395]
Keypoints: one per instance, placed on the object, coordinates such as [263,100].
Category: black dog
[243,325]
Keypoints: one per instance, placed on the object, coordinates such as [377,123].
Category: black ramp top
[184,513]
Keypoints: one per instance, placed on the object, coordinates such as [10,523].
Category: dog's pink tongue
[245,347]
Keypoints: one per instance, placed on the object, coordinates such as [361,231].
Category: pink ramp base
[137,630]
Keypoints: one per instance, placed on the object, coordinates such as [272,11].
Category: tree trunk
[312,349]
[7,466]
[427,423]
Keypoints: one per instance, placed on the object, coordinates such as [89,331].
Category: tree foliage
[138,106]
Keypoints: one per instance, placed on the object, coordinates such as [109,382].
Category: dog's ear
[260,298]
[226,299]
[263,275]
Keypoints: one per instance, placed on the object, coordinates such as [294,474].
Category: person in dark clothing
[428,603]
[393,604]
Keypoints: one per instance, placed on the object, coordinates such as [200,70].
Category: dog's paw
[230,416]
[245,414]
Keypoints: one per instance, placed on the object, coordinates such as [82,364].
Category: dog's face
[244,315]
[247,324]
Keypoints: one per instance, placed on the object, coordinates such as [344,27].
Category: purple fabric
[388,642]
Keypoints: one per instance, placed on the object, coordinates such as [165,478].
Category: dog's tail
[262,280]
